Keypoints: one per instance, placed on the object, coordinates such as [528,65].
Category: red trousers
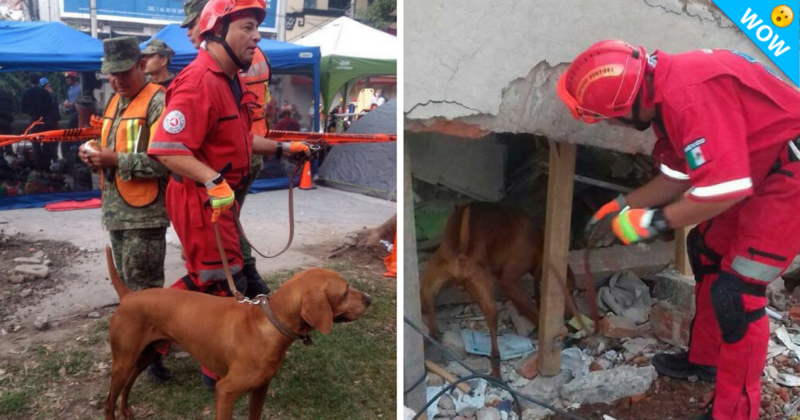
[191,219]
[757,239]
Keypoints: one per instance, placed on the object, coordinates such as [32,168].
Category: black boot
[678,366]
[157,371]
[255,284]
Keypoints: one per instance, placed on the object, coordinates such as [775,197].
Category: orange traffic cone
[305,179]
[391,261]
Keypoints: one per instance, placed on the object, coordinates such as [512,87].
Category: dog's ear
[316,310]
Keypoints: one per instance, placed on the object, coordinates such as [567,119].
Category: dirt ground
[60,254]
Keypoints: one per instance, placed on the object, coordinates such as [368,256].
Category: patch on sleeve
[696,153]
[174,122]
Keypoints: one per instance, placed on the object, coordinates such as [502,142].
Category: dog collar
[306,339]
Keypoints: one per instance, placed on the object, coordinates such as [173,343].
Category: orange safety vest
[257,81]
[132,126]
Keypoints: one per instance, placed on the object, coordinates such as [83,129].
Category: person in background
[296,114]
[70,148]
[192,9]
[311,111]
[379,99]
[287,123]
[38,104]
[52,119]
[158,56]
[73,92]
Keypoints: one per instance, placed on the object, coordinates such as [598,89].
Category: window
[338,4]
[309,4]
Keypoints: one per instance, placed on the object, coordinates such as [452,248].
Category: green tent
[351,51]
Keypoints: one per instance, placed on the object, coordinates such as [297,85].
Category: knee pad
[726,298]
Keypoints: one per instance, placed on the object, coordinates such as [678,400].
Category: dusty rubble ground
[62,371]
[610,374]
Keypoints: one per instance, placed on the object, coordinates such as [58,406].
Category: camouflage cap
[157,46]
[192,9]
[121,54]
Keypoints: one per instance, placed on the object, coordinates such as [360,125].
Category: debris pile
[641,318]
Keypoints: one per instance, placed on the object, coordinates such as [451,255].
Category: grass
[348,374]
[24,385]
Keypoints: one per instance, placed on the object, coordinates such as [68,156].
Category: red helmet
[603,81]
[71,74]
[217,9]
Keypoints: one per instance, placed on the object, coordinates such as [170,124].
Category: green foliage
[377,13]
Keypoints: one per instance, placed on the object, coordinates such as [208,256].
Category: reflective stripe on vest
[135,192]
[256,79]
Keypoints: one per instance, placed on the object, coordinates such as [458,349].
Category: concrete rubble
[606,386]
[612,367]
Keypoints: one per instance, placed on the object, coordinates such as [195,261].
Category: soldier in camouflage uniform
[133,185]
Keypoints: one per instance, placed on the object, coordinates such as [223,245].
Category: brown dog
[235,340]
[484,244]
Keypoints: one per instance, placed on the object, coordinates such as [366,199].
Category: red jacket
[723,121]
[202,119]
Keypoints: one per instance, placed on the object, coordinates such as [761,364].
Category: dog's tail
[119,286]
[463,237]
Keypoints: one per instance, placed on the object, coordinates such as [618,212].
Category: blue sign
[148,11]
[773,26]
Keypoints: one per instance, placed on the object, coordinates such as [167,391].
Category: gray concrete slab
[322,215]
[502,78]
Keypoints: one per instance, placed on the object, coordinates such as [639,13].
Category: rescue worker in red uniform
[256,78]
[727,133]
[205,141]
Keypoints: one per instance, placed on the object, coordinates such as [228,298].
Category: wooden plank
[449,377]
[413,349]
[681,256]
[556,251]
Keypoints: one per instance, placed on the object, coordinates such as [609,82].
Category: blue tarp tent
[284,57]
[53,46]
[47,47]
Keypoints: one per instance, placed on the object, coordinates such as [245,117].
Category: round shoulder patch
[174,122]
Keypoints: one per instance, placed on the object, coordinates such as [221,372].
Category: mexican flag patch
[695,153]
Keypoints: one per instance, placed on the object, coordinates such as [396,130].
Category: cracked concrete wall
[475,67]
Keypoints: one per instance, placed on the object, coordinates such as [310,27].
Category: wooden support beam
[556,250]
[413,349]
[681,256]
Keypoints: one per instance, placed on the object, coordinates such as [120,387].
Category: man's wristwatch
[279,151]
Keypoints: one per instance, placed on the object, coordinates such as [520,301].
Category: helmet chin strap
[635,122]
[221,39]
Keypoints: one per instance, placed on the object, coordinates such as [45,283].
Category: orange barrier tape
[330,138]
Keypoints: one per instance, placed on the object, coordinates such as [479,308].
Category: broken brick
[794,313]
[528,367]
[671,324]
[614,326]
